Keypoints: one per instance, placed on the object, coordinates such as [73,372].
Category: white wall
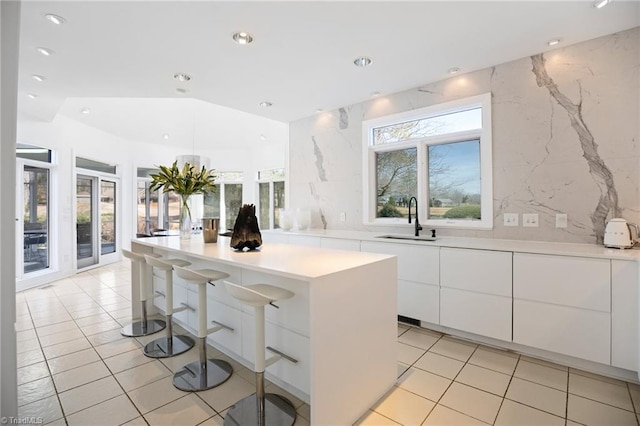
[69,138]
[9,27]
[542,162]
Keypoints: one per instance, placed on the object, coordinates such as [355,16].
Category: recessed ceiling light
[362,61]
[32,95]
[453,70]
[263,138]
[319,110]
[265,104]
[601,3]
[85,111]
[375,94]
[181,90]
[38,78]
[242,37]
[44,51]
[165,136]
[553,42]
[182,76]
[55,19]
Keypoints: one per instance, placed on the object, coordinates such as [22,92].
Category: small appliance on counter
[620,234]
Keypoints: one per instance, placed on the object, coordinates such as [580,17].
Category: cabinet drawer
[340,244]
[230,317]
[293,312]
[624,314]
[419,301]
[478,313]
[290,343]
[576,332]
[481,271]
[415,263]
[562,280]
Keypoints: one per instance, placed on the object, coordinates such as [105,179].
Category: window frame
[486,163]
[271,181]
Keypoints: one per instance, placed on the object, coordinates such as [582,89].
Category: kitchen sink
[408,237]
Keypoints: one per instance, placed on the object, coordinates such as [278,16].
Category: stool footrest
[219,326]
[180,309]
[159,294]
[190,308]
[280,354]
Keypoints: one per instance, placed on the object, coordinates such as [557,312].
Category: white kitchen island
[341,324]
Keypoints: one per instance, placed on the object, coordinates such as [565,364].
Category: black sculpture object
[246,234]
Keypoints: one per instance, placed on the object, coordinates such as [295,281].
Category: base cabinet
[625,280]
[476,291]
[563,304]
[418,278]
[478,313]
[566,330]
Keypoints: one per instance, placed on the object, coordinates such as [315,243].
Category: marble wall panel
[565,140]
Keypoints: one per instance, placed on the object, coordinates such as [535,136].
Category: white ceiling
[119,58]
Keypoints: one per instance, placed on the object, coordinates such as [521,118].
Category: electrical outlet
[510,219]
[530,220]
[561,220]
[343,216]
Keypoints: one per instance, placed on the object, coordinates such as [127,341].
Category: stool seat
[204,373]
[170,345]
[257,294]
[144,327]
[196,276]
[165,264]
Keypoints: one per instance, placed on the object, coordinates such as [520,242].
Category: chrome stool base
[279,411]
[198,376]
[137,329]
[165,347]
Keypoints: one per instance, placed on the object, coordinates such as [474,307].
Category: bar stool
[204,373]
[260,408]
[143,327]
[170,345]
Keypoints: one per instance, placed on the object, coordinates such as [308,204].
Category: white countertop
[520,246]
[292,261]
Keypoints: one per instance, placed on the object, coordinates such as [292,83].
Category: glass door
[34,214]
[86,223]
[107,217]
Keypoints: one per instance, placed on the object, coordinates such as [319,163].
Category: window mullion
[422,184]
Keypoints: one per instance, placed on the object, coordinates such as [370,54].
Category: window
[271,197]
[226,201]
[439,154]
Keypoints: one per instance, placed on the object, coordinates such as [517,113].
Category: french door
[33,217]
[95,219]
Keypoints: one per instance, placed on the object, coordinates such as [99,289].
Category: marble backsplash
[566,125]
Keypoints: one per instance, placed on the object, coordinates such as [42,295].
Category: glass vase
[185,218]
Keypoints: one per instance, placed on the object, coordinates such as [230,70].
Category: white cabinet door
[415,263]
[576,332]
[624,314]
[483,314]
[340,244]
[419,301]
[563,280]
[482,271]
[418,278]
[230,317]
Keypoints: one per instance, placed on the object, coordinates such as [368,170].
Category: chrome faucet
[418,227]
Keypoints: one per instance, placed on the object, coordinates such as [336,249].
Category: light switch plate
[561,220]
[343,216]
[530,220]
[510,219]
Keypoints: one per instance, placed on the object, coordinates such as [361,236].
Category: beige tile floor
[75,368]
